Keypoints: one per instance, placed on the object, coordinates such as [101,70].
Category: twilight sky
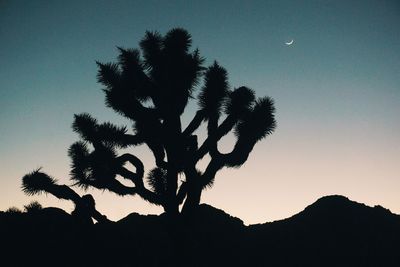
[337,94]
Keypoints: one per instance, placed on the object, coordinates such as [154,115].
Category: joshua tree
[151,88]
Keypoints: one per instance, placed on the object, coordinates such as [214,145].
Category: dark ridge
[333,231]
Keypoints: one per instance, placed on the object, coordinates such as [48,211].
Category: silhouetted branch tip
[36,182]
[239,101]
[157,180]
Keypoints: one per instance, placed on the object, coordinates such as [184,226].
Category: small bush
[33,207]
[13,210]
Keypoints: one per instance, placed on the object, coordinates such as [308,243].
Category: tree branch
[140,189]
[118,188]
[213,167]
[195,123]
[235,158]
[158,152]
[137,178]
[213,138]
[182,193]
[63,192]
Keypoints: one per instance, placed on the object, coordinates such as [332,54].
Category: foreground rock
[333,231]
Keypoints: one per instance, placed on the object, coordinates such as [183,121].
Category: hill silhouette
[333,231]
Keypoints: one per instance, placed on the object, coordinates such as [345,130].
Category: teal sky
[337,94]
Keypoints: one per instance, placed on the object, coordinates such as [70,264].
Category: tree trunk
[192,200]
[171,201]
[171,207]
[174,151]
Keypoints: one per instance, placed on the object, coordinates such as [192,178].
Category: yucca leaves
[194,69]
[129,60]
[172,68]
[168,74]
[157,180]
[133,78]
[79,154]
[108,74]
[119,103]
[177,41]
[106,133]
[37,182]
[254,126]
[100,167]
[86,126]
[214,90]
[92,169]
[259,122]
[113,134]
[151,46]
[124,90]
[239,101]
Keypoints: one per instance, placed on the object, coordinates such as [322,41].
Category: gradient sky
[336,90]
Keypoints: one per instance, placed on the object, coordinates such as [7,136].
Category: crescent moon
[289,43]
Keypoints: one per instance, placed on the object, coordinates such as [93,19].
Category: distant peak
[333,201]
[334,198]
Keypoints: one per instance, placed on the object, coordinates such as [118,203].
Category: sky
[336,91]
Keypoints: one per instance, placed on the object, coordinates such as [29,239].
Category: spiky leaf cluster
[94,168]
[167,74]
[214,91]
[157,180]
[36,182]
[257,123]
[239,102]
[106,134]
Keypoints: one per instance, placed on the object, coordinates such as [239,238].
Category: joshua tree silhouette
[152,89]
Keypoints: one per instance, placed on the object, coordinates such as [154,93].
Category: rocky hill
[333,231]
